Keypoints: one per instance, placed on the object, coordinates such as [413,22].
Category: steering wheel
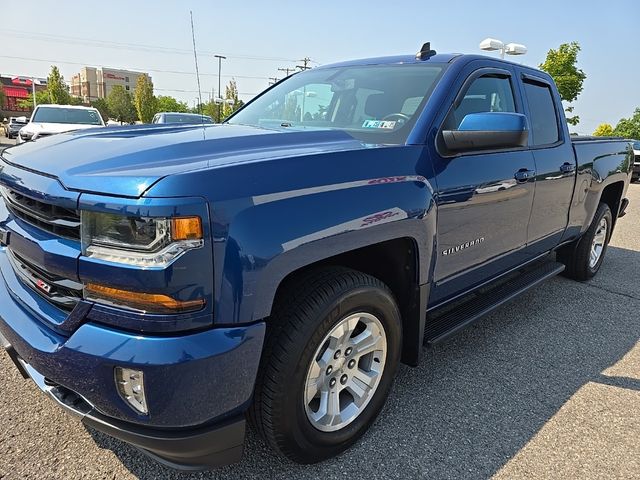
[399,116]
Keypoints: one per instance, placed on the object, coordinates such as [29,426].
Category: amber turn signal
[186,228]
[147,302]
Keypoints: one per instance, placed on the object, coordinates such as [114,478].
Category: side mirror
[488,130]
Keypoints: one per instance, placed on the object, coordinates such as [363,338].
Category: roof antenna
[425,52]
[195,56]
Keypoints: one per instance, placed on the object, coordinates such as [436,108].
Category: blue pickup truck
[167,284]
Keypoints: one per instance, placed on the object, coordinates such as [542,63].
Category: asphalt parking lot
[548,386]
[5,142]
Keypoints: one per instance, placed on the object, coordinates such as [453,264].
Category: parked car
[177,117]
[636,160]
[166,284]
[13,126]
[49,120]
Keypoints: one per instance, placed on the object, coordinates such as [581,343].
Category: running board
[441,326]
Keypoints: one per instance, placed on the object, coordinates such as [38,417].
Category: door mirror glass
[488,130]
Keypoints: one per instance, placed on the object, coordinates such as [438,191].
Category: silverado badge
[457,248]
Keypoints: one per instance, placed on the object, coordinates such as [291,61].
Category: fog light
[130,384]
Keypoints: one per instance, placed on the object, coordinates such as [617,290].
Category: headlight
[138,241]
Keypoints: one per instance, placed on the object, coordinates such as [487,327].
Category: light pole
[491,44]
[33,92]
[220,58]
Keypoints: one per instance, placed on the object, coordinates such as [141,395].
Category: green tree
[121,105]
[629,127]
[232,102]
[144,100]
[210,108]
[42,98]
[165,103]
[56,88]
[603,130]
[75,100]
[103,107]
[561,64]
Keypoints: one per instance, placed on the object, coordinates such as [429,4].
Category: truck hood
[127,161]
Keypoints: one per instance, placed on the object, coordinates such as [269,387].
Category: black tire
[306,310]
[576,256]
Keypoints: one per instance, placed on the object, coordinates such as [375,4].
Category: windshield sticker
[388,125]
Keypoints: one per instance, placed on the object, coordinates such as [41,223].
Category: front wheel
[330,358]
[584,259]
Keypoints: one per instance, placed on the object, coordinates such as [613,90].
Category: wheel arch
[612,196]
[397,263]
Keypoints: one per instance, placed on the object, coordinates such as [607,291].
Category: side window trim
[473,76]
[526,77]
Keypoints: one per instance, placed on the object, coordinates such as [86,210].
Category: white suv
[51,119]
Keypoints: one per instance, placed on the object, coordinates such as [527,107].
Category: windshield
[636,145]
[66,115]
[187,119]
[374,103]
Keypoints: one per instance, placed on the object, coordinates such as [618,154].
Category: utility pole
[273,80]
[287,70]
[220,58]
[33,89]
[305,64]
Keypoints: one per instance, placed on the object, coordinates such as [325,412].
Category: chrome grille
[52,218]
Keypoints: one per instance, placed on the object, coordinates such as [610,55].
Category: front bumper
[197,385]
[191,449]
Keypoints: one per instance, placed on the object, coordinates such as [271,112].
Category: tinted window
[186,119]
[542,114]
[374,103]
[67,115]
[636,145]
[485,94]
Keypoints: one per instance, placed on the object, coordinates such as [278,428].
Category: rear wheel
[330,357]
[583,260]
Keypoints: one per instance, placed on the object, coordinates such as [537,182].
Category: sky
[258,37]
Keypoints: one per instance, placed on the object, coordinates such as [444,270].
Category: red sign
[21,81]
[112,76]
[16,92]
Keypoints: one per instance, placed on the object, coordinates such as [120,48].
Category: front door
[483,209]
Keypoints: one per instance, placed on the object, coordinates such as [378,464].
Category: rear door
[483,211]
[555,164]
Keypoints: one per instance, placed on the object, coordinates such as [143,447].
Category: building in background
[96,82]
[17,89]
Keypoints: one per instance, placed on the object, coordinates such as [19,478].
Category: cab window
[542,113]
[488,93]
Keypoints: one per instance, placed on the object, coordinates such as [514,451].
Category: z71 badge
[463,246]
[45,287]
